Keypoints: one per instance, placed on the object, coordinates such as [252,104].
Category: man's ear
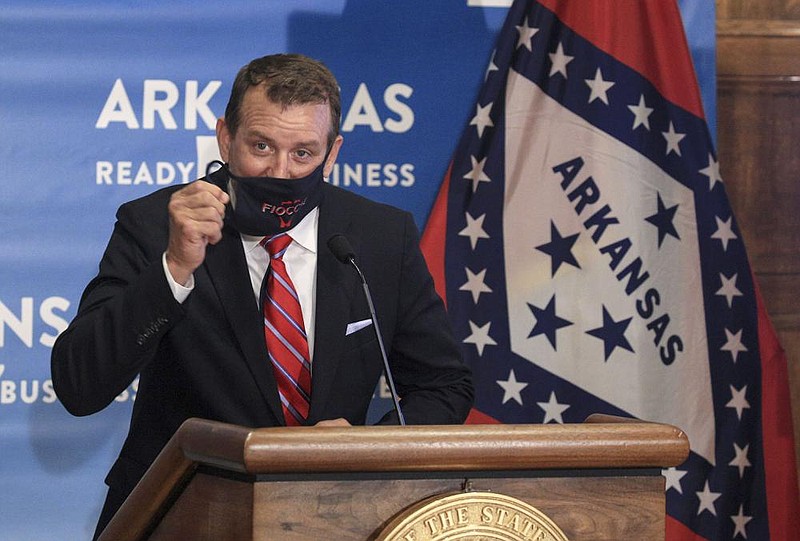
[223,139]
[332,155]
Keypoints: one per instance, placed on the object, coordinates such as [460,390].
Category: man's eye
[262,146]
[303,154]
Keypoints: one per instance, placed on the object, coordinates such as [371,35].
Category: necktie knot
[276,245]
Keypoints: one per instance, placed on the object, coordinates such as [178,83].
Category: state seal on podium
[471,516]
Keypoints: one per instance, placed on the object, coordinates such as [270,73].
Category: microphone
[340,246]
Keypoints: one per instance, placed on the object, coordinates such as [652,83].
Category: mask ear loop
[212,167]
[327,155]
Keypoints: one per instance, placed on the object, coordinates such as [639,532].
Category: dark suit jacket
[207,357]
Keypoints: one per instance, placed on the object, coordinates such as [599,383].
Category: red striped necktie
[285,333]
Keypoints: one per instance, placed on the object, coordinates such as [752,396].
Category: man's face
[275,141]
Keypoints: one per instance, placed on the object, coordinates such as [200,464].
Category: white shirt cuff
[179,291]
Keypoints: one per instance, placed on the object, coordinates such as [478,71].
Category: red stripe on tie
[285,335]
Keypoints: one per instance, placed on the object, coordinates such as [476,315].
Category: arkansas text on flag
[590,261]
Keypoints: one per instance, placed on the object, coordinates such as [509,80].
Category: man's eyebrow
[257,134]
[311,143]
[314,145]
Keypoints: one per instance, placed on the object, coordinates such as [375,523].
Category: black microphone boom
[340,246]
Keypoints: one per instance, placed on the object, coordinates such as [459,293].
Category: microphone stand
[386,369]
[340,246]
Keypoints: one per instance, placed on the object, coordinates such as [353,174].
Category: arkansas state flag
[590,261]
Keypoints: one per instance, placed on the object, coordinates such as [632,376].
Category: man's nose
[278,166]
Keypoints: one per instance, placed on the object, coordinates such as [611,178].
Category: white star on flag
[559,61]
[740,521]
[729,289]
[491,67]
[553,410]
[474,229]
[707,499]
[482,118]
[641,114]
[734,344]
[476,175]
[599,87]
[712,172]
[512,388]
[475,284]
[724,232]
[526,33]
[673,478]
[480,337]
[738,400]
[740,460]
[673,139]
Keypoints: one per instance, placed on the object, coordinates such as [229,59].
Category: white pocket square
[357,326]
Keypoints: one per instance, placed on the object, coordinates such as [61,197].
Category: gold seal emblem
[471,516]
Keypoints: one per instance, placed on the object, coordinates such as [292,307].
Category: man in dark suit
[178,298]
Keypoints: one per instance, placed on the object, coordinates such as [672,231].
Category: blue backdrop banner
[103,102]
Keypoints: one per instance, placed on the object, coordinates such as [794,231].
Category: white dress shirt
[300,259]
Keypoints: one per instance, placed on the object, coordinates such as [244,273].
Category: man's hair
[290,79]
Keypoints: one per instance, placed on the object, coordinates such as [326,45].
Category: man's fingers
[202,215]
[199,195]
[196,215]
[334,422]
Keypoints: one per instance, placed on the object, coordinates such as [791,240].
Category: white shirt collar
[304,234]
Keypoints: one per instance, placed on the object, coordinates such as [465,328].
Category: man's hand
[334,422]
[196,213]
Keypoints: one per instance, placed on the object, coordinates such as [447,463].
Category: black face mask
[266,206]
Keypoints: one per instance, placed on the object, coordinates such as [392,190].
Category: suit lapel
[227,267]
[336,285]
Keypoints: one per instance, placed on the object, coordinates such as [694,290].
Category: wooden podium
[600,480]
